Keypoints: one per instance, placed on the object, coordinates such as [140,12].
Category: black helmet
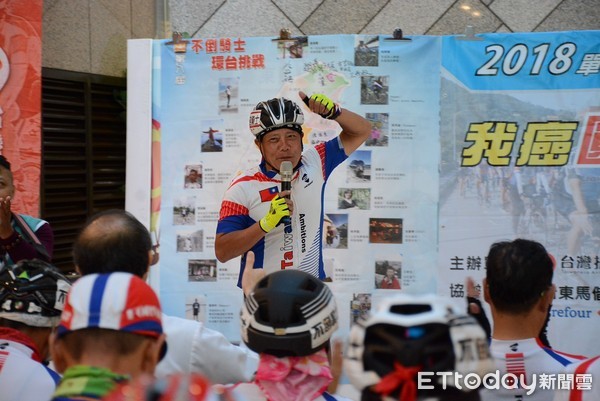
[32,292]
[288,313]
[273,114]
[424,334]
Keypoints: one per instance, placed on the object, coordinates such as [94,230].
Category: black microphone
[286,170]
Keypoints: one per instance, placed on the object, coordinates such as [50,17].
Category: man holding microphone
[282,227]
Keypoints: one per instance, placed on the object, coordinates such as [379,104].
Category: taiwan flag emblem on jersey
[267,194]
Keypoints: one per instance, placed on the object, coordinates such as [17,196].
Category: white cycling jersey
[22,375]
[586,381]
[297,243]
[529,357]
[194,348]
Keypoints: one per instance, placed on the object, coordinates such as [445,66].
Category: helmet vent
[410,309]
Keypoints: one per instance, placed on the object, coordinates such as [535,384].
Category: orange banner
[20,98]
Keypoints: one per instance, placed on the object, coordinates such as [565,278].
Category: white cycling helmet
[274,114]
[416,334]
[288,313]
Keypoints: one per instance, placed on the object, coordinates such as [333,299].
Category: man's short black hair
[113,240]
[4,162]
[518,274]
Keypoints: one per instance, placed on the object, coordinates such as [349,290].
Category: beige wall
[91,35]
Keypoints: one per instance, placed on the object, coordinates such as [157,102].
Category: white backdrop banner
[472,142]
[202,105]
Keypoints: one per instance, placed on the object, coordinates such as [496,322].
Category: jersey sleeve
[331,154]
[234,214]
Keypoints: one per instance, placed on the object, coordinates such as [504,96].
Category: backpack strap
[31,237]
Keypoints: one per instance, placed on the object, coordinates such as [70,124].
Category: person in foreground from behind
[21,236]
[518,287]
[110,332]
[288,318]
[114,240]
[256,214]
[399,351]
[32,297]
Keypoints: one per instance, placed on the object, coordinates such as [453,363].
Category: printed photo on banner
[184,211]
[196,308]
[335,228]
[388,274]
[193,176]
[374,89]
[366,50]
[202,270]
[212,136]
[291,46]
[380,129]
[360,306]
[190,241]
[359,166]
[385,231]
[354,198]
[229,95]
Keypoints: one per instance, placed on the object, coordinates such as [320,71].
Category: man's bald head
[113,240]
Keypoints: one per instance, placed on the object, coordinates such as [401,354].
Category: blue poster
[520,125]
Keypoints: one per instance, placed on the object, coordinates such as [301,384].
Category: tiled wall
[91,35]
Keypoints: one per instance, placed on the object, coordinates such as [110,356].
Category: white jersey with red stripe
[586,381]
[528,357]
[22,377]
[295,244]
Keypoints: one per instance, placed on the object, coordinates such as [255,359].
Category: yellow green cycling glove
[333,109]
[277,211]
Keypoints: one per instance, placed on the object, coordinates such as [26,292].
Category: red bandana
[401,376]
